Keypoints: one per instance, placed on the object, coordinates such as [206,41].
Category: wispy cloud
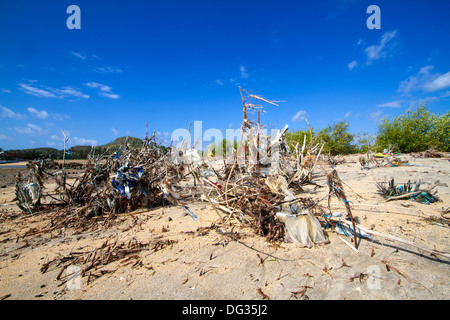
[109,95]
[38,114]
[380,50]
[30,129]
[59,117]
[70,91]
[8,113]
[5,137]
[299,115]
[36,91]
[219,82]
[96,85]
[49,92]
[425,81]
[104,90]
[115,131]
[392,104]
[376,116]
[352,65]
[441,82]
[83,142]
[79,55]
[108,69]
[244,73]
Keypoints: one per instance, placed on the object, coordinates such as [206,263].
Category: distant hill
[81,152]
[78,152]
[122,141]
[135,142]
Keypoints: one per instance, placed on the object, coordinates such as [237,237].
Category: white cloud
[51,143]
[83,142]
[79,55]
[36,91]
[109,95]
[348,114]
[70,91]
[96,85]
[5,90]
[380,50]
[244,73]
[8,113]
[352,65]
[441,82]
[392,104]
[105,90]
[38,114]
[59,117]
[115,131]
[55,137]
[4,138]
[49,92]
[108,69]
[219,82]
[30,128]
[299,115]
[426,81]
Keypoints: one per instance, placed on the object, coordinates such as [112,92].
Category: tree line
[413,131]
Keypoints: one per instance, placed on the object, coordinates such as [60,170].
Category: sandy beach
[201,259]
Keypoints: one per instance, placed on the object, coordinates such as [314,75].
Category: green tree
[364,141]
[299,136]
[415,131]
[337,139]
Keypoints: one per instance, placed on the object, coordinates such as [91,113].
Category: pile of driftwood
[106,186]
[260,184]
[257,180]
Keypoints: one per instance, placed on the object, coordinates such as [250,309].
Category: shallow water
[13,167]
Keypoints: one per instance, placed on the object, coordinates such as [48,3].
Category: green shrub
[415,131]
[336,137]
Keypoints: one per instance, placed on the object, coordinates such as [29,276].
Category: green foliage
[415,131]
[365,141]
[221,148]
[31,154]
[294,137]
[337,139]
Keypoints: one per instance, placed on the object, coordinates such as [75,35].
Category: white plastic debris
[33,190]
[302,229]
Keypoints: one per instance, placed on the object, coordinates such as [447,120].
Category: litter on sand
[260,185]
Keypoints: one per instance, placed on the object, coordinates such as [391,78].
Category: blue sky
[175,62]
